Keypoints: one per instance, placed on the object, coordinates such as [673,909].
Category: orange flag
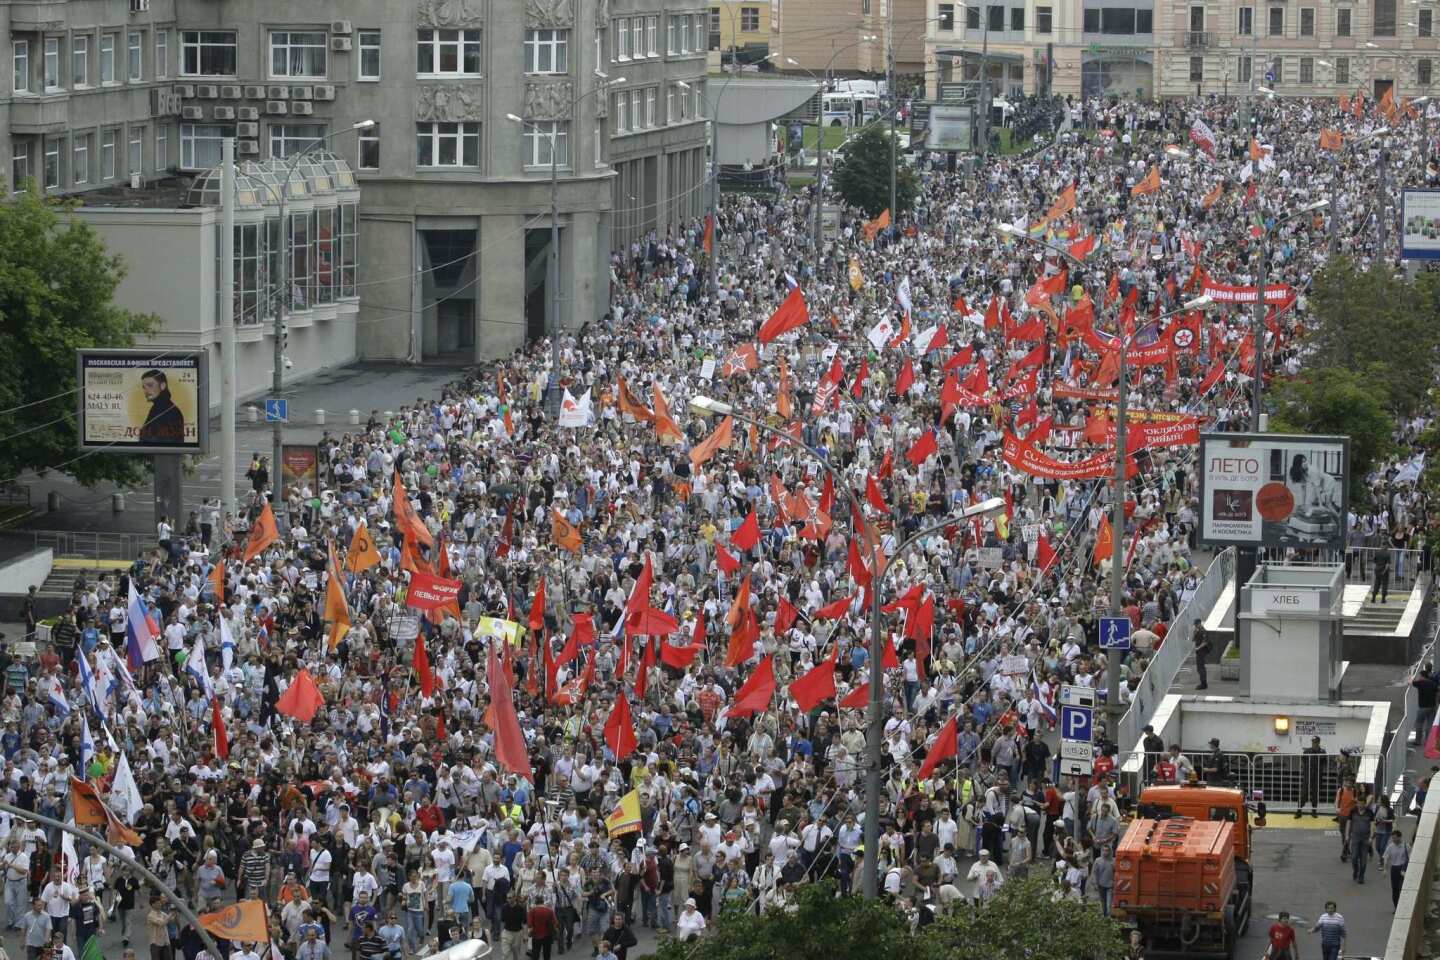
[1255,152]
[90,811]
[263,532]
[1213,195]
[1150,184]
[337,611]
[739,604]
[362,554]
[632,406]
[1331,139]
[709,241]
[718,440]
[1104,542]
[217,580]
[563,533]
[406,518]
[244,920]
[665,426]
[1062,205]
[1387,104]
[1344,103]
[873,227]
[783,406]
[1357,105]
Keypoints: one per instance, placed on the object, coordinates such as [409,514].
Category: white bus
[849,109]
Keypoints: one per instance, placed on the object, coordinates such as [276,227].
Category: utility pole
[985,91]
[1113,710]
[227,327]
[894,101]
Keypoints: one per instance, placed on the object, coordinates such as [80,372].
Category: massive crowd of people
[400,819]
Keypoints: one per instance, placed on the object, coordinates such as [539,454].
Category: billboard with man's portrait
[142,401]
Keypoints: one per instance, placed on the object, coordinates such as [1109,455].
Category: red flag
[835,609]
[791,315]
[785,616]
[620,729]
[640,593]
[680,657]
[922,449]
[726,560]
[647,660]
[992,314]
[978,382]
[582,632]
[939,340]
[510,749]
[747,536]
[857,699]
[873,496]
[537,607]
[1104,542]
[651,623]
[1217,372]
[709,240]
[945,746]
[1045,555]
[507,532]
[756,694]
[816,685]
[905,379]
[858,569]
[421,663]
[921,622]
[857,389]
[302,699]
[217,726]
[1080,249]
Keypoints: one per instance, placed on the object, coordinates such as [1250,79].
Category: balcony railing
[1197,39]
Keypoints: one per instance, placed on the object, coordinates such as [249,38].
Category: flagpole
[125,857]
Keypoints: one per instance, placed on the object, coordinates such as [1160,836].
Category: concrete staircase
[56,589]
[1377,618]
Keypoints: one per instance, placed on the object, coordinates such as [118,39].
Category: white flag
[227,643]
[124,794]
[69,858]
[882,333]
[921,340]
[902,294]
[576,413]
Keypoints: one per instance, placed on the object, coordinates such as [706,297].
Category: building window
[299,55]
[1307,69]
[1017,19]
[996,18]
[135,68]
[652,28]
[288,139]
[1044,21]
[300,234]
[621,124]
[622,42]
[652,98]
[670,115]
[207,53]
[972,18]
[672,31]
[326,278]
[1242,69]
[370,148]
[349,248]
[107,58]
[547,51]
[1245,22]
[946,18]
[1342,69]
[637,36]
[162,146]
[750,19]
[865,8]
[447,144]
[199,144]
[52,63]
[109,143]
[1197,69]
[1425,24]
[80,159]
[247,272]
[52,164]
[715,23]
[368,63]
[137,150]
[1277,21]
[447,53]
[1342,22]
[1118,21]
[80,61]
[19,164]
[1276,68]
[1384,18]
[1197,19]
[1422,71]
[20,61]
[1307,21]
[162,54]
[540,137]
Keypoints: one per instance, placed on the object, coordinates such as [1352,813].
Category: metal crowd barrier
[1277,778]
[1407,930]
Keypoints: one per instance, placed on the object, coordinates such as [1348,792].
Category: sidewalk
[363,387]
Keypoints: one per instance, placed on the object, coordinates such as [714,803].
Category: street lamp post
[875,722]
[820,141]
[1258,322]
[277,458]
[552,390]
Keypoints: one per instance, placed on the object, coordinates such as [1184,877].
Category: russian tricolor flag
[141,632]
[1045,706]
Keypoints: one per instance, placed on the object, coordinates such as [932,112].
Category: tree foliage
[1380,326]
[1334,400]
[862,175]
[1021,923]
[57,282]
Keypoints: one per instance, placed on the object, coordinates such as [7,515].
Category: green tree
[862,176]
[1023,922]
[1378,325]
[57,282]
[1334,400]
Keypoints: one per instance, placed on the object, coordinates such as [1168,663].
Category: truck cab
[1200,801]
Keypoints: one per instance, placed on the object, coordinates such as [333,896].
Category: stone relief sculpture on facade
[549,13]
[442,102]
[549,101]
[450,13]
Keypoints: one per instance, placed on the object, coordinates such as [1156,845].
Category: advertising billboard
[1274,490]
[301,466]
[950,129]
[141,401]
[1420,219]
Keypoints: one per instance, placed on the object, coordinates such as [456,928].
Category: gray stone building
[469,98]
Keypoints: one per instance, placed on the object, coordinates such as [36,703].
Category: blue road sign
[1269,76]
[1114,633]
[1076,723]
[277,411]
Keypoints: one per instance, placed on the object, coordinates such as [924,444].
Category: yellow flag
[625,818]
[857,279]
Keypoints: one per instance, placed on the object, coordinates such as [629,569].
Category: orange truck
[1182,870]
